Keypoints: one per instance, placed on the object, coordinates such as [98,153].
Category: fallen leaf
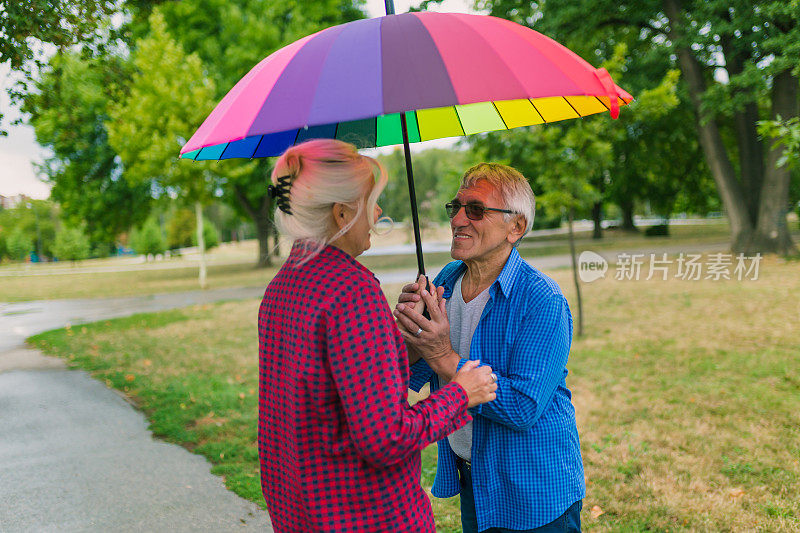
[147,362]
[596,512]
[241,396]
[738,492]
[130,377]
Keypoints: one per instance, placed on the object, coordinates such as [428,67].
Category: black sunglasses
[473,211]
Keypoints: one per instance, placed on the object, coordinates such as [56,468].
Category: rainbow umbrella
[401,79]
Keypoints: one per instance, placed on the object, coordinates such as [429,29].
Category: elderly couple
[338,442]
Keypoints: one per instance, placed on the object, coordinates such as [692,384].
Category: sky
[19,151]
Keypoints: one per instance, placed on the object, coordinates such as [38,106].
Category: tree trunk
[597,217]
[719,163]
[627,217]
[201,243]
[772,231]
[575,271]
[261,216]
[751,150]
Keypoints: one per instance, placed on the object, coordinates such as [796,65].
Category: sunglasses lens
[474,212]
[452,209]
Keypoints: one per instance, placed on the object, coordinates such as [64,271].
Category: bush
[148,239]
[71,244]
[19,245]
[181,229]
[660,230]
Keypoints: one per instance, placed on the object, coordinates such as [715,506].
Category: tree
[572,155]
[19,244]
[26,25]
[169,95]
[230,37]
[210,235]
[437,173]
[71,244]
[180,227]
[68,111]
[37,220]
[740,62]
[148,240]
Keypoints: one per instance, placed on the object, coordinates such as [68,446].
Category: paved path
[74,456]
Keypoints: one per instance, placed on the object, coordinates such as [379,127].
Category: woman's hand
[478,382]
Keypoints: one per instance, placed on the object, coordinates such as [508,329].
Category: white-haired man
[517,465]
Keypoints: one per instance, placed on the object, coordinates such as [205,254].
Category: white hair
[514,189]
[324,172]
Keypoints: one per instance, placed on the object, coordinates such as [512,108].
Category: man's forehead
[479,191]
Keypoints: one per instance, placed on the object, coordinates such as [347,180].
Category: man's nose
[460,219]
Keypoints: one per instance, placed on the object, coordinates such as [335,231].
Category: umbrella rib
[257,145]
[499,115]
[460,125]
[223,151]
[572,106]
[604,104]
[537,110]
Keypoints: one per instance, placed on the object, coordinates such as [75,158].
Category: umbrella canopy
[451,74]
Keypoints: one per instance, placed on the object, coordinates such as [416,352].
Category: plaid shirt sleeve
[371,377]
[538,357]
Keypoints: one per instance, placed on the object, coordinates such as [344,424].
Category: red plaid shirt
[339,444]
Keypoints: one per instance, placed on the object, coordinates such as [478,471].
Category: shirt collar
[505,280]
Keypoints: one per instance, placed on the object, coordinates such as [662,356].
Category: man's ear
[517,229]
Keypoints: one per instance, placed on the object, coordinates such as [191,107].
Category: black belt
[461,461]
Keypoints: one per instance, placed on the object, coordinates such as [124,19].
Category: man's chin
[458,252]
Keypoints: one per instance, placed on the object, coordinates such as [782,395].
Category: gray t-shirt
[464,318]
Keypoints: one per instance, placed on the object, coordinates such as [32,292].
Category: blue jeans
[569,522]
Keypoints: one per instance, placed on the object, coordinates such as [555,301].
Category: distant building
[10,202]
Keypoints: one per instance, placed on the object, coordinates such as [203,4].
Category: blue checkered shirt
[526,459]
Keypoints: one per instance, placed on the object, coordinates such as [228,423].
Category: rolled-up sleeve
[365,365]
[536,366]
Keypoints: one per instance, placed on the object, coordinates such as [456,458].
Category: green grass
[687,396]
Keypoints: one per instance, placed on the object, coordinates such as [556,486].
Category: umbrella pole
[410,175]
[412,195]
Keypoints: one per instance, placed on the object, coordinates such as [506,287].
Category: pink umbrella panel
[452,74]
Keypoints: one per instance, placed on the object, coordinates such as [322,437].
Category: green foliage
[56,22]
[19,244]
[24,25]
[37,220]
[71,244]
[785,133]
[437,173]
[68,112]
[181,229]
[169,96]
[210,234]
[148,240]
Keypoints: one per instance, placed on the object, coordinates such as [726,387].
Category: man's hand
[430,338]
[410,294]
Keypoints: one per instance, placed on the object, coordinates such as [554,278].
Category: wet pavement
[76,457]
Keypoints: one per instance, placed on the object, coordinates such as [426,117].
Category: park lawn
[16,283]
[687,396]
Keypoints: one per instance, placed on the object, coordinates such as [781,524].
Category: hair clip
[280,193]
